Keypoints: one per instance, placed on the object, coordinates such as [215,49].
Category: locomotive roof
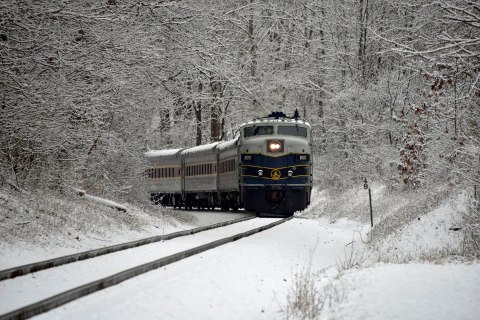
[163,153]
[275,120]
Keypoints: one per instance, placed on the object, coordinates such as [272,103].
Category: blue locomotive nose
[275,170]
[265,170]
[275,185]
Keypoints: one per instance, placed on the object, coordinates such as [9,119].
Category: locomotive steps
[73,281]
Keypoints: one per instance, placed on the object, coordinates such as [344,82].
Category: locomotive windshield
[257,131]
[293,131]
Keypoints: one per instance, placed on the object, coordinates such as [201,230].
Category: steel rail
[55,262]
[78,292]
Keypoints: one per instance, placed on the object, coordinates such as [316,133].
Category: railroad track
[70,281]
[55,262]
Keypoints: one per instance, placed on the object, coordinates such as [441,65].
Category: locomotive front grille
[275,195]
[276,173]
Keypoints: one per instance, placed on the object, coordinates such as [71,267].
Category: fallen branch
[22,223]
[14,186]
[103,201]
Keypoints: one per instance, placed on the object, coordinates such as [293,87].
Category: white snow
[162,153]
[427,234]
[407,291]
[99,200]
[28,289]
[226,145]
[247,279]
[40,226]
[200,149]
[253,278]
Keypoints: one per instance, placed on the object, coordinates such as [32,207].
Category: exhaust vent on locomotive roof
[277,115]
[281,115]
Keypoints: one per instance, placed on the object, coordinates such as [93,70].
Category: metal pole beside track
[365,186]
[371,211]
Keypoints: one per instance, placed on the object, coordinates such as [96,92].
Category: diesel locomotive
[266,169]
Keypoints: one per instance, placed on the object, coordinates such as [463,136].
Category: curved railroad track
[55,262]
[220,236]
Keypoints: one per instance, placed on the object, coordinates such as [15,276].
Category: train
[266,169]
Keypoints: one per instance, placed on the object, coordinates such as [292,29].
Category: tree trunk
[197,105]
[216,128]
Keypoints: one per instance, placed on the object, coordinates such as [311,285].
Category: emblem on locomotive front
[275,174]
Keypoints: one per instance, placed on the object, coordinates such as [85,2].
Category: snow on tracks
[31,295]
[55,262]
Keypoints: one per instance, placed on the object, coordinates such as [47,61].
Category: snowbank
[420,227]
[42,225]
[424,237]
[406,291]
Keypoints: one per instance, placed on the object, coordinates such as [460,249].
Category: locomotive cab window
[257,131]
[293,131]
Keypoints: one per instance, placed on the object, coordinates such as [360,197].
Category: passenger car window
[257,131]
[293,131]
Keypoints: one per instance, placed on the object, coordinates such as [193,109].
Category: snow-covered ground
[326,263]
[406,291]
[39,226]
[247,279]
[21,291]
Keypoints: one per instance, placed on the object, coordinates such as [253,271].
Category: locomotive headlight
[260,173]
[290,173]
[274,146]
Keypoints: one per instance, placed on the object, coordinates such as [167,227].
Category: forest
[391,87]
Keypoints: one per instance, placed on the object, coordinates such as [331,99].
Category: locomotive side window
[257,131]
[293,131]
